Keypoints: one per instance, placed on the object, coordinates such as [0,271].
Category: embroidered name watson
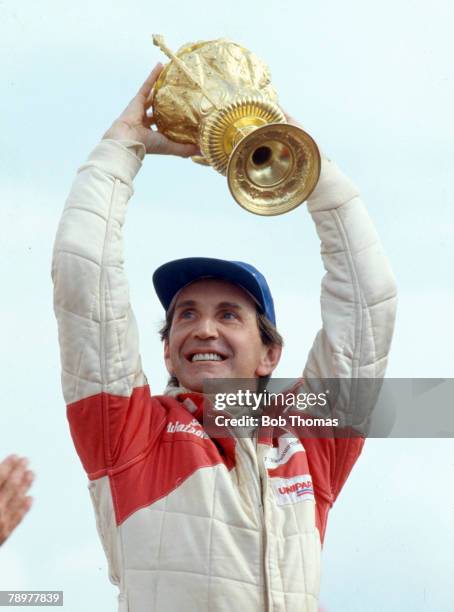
[191,428]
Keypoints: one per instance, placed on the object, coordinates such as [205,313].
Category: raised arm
[97,331]
[358,298]
[98,337]
[358,307]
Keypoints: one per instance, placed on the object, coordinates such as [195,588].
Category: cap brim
[171,277]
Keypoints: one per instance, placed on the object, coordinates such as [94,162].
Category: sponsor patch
[292,490]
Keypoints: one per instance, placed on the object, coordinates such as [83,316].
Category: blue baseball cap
[172,276]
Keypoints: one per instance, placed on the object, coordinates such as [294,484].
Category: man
[188,521]
[15,481]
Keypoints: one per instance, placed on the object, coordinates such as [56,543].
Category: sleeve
[358,297]
[103,384]
[358,306]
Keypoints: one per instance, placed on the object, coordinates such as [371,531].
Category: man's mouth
[194,357]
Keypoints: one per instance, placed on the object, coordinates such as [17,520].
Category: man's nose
[206,328]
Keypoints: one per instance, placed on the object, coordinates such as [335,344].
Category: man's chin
[195,382]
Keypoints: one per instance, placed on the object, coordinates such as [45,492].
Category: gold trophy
[217,95]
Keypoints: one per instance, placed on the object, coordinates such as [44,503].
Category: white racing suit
[188,522]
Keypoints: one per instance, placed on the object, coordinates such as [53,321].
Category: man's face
[214,334]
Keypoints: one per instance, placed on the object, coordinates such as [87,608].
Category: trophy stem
[223,129]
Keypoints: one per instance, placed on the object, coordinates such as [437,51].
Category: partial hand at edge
[15,480]
[292,121]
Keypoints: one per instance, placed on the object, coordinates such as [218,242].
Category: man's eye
[229,315]
[187,314]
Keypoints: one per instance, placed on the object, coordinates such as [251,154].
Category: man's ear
[167,359]
[270,359]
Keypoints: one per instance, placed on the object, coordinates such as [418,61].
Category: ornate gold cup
[218,95]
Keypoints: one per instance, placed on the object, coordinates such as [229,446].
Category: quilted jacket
[188,522]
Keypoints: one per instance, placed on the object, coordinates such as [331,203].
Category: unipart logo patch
[292,490]
[192,428]
[300,488]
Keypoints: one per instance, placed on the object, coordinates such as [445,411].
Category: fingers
[133,113]
[149,120]
[184,150]
[18,498]
[291,120]
[10,520]
[147,86]
[158,143]
[19,512]
[6,466]
[15,481]
[149,100]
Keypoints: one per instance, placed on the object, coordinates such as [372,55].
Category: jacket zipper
[259,497]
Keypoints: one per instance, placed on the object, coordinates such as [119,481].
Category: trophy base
[274,169]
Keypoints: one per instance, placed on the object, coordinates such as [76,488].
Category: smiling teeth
[206,357]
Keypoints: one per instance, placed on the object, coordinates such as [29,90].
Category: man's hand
[134,123]
[15,480]
[291,120]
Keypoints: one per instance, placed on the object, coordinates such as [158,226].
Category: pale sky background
[373,84]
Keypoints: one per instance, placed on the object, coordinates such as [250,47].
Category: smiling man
[187,521]
[220,321]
